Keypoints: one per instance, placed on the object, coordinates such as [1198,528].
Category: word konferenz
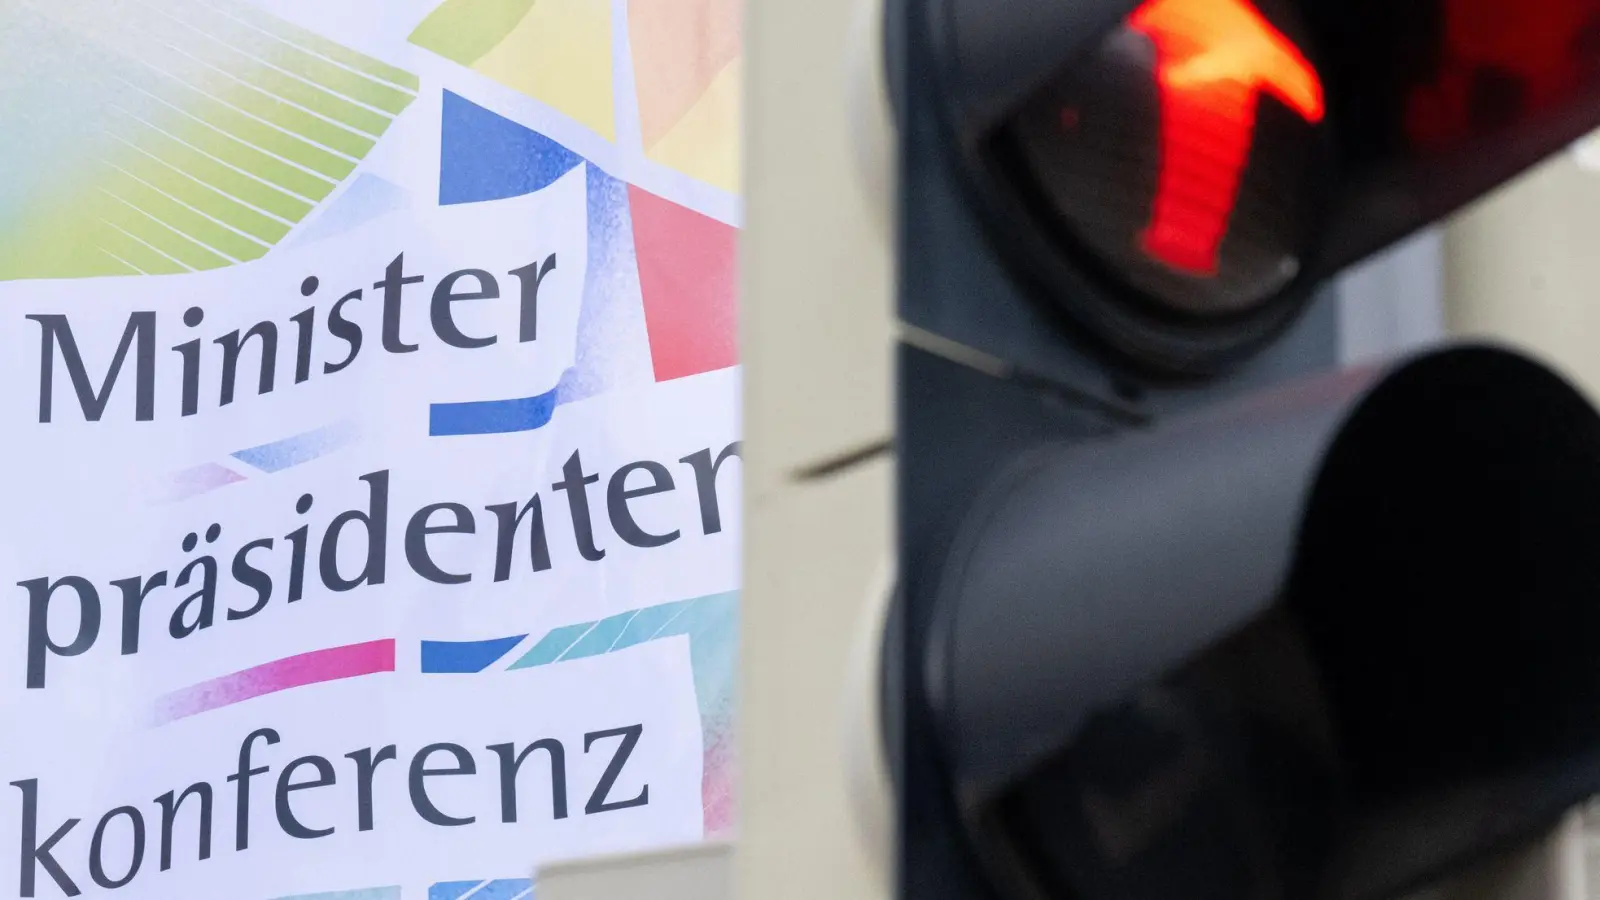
[120,841]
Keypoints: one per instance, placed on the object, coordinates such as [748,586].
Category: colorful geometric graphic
[492,416]
[613,350]
[686,69]
[689,280]
[498,889]
[332,664]
[486,156]
[710,623]
[197,480]
[172,135]
[465,657]
[556,51]
[685,58]
[661,298]
[271,457]
[275,456]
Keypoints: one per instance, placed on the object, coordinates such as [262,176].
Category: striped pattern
[498,889]
[165,136]
[700,615]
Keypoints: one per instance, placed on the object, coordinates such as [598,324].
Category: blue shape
[486,156]
[492,416]
[613,348]
[503,889]
[498,889]
[365,199]
[465,656]
[296,449]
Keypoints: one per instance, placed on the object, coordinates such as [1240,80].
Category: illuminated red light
[1214,58]
[1543,51]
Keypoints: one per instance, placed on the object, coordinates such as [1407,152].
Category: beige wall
[816,335]
[1523,266]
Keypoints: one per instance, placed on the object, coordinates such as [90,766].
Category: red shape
[1214,58]
[1539,43]
[688,275]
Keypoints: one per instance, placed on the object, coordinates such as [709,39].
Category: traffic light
[1181,611]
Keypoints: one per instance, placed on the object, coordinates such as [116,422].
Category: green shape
[238,154]
[552,645]
[290,33]
[180,218]
[251,131]
[465,30]
[285,55]
[156,233]
[119,267]
[113,242]
[263,105]
[186,189]
[213,141]
[319,100]
[287,86]
[172,135]
[342,81]
[225,179]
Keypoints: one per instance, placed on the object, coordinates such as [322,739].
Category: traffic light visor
[1330,643]
[1206,158]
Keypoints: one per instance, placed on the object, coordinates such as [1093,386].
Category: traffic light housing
[1181,611]
[1208,163]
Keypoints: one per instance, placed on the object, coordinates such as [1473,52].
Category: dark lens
[1184,154]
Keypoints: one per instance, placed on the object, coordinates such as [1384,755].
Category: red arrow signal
[1214,58]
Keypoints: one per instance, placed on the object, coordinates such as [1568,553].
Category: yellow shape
[678,48]
[560,55]
[705,143]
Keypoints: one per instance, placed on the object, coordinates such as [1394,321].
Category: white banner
[372,447]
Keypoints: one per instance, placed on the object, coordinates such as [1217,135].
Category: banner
[372,471]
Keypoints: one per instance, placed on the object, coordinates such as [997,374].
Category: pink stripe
[717,788]
[199,479]
[280,675]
